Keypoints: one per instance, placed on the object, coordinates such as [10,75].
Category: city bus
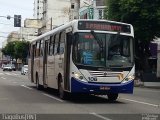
[84,57]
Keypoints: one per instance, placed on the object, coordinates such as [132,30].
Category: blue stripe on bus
[78,86]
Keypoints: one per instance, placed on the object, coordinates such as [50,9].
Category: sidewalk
[139,83]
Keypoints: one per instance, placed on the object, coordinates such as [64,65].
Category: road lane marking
[100,116]
[26,87]
[52,97]
[3,78]
[155,105]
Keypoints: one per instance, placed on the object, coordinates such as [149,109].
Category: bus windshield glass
[103,50]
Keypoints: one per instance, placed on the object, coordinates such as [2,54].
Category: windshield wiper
[100,43]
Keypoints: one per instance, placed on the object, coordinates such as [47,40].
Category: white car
[7,67]
[24,70]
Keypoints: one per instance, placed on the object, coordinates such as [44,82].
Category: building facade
[28,34]
[38,9]
[100,7]
[55,13]
[92,9]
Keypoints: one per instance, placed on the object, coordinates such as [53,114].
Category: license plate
[104,88]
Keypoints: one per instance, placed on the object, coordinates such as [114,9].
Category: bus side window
[56,48]
[37,49]
[41,48]
[46,47]
[29,51]
[34,50]
[54,39]
[51,45]
[62,40]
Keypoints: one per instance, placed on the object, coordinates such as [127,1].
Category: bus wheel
[62,93]
[112,97]
[38,86]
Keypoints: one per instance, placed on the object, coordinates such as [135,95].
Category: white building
[28,34]
[30,29]
[38,9]
[100,7]
[92,9]
[74,10]
[55,13]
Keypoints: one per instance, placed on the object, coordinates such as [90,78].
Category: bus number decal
[92,79]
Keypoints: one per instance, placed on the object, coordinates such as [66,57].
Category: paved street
[18,95]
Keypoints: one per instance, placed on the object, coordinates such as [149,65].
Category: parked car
[2,66]
[7,67]
[24,70]
[13,67]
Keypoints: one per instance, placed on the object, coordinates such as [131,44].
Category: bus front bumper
[78,86]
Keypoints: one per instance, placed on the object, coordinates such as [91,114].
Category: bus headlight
[79,77]
[130,77]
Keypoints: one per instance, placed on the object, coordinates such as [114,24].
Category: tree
[17,49]
[9,49]
[144,15]
[21,50]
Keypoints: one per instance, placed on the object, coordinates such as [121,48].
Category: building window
[101,13]
[100,2]
[72,6]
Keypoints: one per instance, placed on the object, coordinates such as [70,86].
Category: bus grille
[104,73]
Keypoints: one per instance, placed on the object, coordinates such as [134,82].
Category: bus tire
[112,97]
[38,86]
[61,92]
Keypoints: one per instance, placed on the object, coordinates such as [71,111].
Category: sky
[13,7]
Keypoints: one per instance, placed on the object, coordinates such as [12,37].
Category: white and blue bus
[85,56]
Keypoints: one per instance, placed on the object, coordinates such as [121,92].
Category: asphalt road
[19,96]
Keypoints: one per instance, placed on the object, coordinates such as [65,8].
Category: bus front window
[87,51]
[102,50]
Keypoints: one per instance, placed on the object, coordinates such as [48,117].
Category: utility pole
[51,24]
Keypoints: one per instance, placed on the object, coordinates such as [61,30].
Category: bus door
[45,77]
[67,61]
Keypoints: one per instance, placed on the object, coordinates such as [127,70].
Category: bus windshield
[103,50]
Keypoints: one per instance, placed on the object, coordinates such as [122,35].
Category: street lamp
[8,17]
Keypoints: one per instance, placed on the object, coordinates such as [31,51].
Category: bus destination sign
[103,26]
